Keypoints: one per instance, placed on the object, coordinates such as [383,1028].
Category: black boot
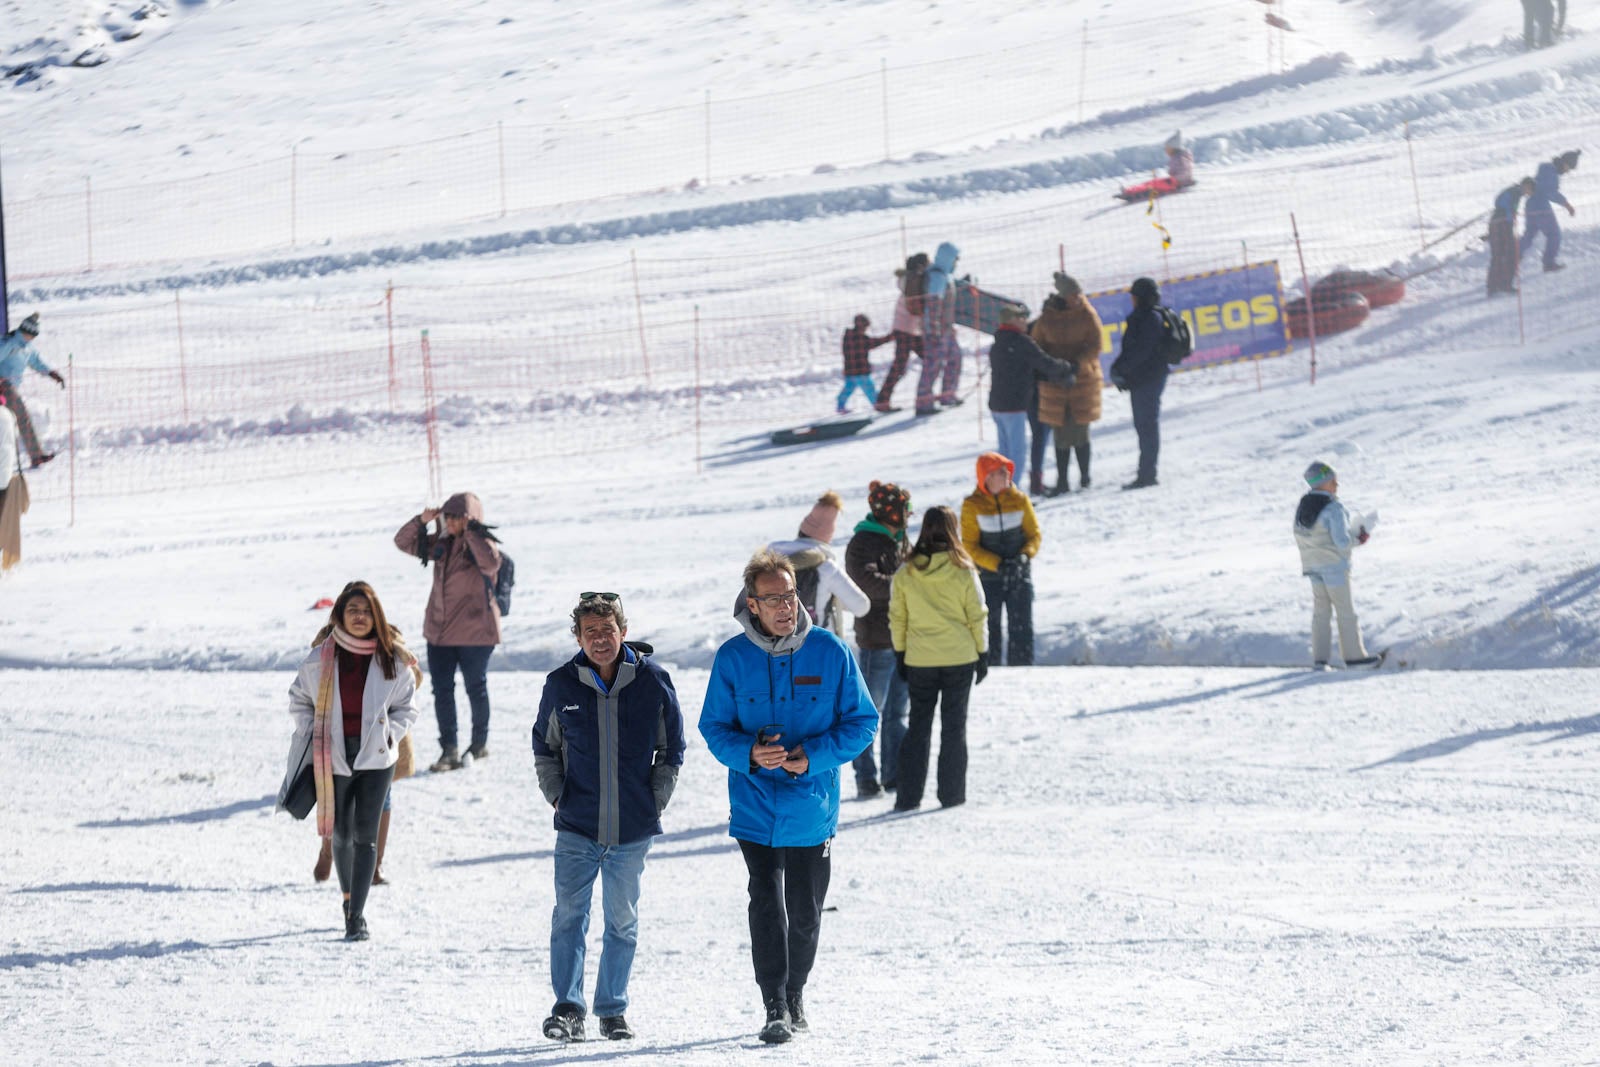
[779,1026]
[797,1012]
[1083,465]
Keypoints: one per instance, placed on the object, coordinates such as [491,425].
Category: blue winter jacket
[939,305]
[808,687]
[16,355]
[608,758]
[1546,190]
[1506,204]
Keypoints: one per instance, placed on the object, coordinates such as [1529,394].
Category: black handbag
[301,795]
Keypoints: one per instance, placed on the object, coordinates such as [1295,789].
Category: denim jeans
[620,867]
[474,663]
[1147,424]
[890,697]
[1012,428]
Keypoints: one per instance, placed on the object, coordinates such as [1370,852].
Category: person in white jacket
[13,491]
[825,589]
[352,701]
[1324,534]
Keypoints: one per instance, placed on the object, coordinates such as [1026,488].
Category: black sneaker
[1140,483]
[478,752]
[1551,268]
[565,1023]
[797,1012]
[615,1028]
[46,457]
[355,926]
[449,760]
[868,789]
[923,412]
[953,402]
[780,1027]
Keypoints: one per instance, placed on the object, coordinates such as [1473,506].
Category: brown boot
[324,865]
[383,839]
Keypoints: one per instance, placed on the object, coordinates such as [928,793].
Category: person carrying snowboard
[1322,531]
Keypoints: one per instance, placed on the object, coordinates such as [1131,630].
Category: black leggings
[787,888]
[357,808]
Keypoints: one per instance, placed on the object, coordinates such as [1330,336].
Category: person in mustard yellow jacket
[936,620]
[1001,534]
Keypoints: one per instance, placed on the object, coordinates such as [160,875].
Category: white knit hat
[1176,141]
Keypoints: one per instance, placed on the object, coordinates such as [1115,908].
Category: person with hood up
[785,708]
[912,280]
[353,699]
[607,746]
[937,617]
[1141,370]
[1000,531]
[462,622]
[826,591]
[872,559]
[1539,215]
[17,355]
[1015,364]
[1180,161]
[1503,237]
[1068,328]
[941,354]
[1322,533]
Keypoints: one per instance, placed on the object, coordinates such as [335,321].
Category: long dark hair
[941,532]
[387,636]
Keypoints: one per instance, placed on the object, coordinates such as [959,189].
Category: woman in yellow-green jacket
[937,620]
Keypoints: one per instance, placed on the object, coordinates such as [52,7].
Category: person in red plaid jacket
[857,364]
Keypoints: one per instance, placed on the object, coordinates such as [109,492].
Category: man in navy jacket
[1140,369]
[785,708]
[607,746]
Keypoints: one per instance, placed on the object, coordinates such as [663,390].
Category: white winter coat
[1326,545]
[10,442]
[388,709]
[832,581]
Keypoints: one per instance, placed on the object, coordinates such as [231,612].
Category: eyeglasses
[777,600]
[609,598]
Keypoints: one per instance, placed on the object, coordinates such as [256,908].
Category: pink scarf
[322,726]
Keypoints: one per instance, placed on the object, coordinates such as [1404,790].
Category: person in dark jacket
[607,746]
[858,362]
[462,622]
[1539,215]
[1142,370]
[1503,237]
[785,709]
[1015,364]
[872,559]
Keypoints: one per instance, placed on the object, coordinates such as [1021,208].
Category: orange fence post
[430,419]
[1311,303]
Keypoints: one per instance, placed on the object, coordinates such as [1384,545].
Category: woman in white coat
[352,701]
[13,490]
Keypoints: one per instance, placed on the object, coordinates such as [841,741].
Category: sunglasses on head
[609,598]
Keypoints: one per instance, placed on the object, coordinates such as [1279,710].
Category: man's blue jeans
[620,867]
[890,697]
[1012,429]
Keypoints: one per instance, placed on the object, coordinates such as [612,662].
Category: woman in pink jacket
[462,623]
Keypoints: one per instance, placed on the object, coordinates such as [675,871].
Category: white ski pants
[1327,600]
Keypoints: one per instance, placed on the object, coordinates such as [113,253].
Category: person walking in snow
[1142,370]
[1068,328]
[912,280]
[18,355]
[1015,364]
[937,618]
[352,701]
[1324,536]
[1180,161]
[1539,215]
[785,708]
[1000,531]
[940,380]
[607,746]
[826,591]
[462,622]
[1503,237]
[858,363]
[873,557]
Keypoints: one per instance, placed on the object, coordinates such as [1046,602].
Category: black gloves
[56,377]
[900,665]
[980,672]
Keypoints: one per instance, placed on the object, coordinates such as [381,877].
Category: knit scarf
[322,725]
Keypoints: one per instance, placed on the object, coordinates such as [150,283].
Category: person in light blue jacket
[1322,531]
[17,355]
[785,709]
[941,354]
[1539,214]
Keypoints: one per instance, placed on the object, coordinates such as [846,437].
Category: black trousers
[1010,593]
[357,808]
[949,688]
[1502,255]
[787,888]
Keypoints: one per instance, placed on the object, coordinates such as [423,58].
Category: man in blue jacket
[17,354]
[1141,370]
[785,708]
[607,746]
[1539,214]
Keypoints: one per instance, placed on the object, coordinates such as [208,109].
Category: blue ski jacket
[808,688]
[16,355]
[1546,190]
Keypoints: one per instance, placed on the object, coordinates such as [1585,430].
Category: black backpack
[1176,343]
[500,589]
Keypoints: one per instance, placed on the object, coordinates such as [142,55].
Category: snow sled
[1333,314]
[1158,186]
[823,430]
[1380,288]
[978,308]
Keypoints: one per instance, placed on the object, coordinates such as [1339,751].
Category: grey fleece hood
[774,646]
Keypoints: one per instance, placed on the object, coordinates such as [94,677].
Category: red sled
[1155,186]
[1334,313]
